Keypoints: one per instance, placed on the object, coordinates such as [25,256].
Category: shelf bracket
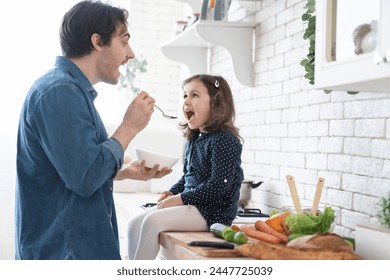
[238,41]
[192,57]
[190,47]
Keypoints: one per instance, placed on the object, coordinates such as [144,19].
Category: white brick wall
[151,24]
[291,128]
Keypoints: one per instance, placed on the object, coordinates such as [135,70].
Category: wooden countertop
[176,244]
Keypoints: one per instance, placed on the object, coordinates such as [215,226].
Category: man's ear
[96,41]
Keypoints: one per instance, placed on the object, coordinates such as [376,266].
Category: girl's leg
[134,231]
[178,218]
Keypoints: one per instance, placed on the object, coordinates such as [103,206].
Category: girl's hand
[137,171]
[164,195]
[170,201]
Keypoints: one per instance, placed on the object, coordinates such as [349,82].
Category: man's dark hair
[83,20]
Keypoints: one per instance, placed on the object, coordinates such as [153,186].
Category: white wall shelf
[191,46]
[249,5]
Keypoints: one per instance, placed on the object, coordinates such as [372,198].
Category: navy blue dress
[212,176]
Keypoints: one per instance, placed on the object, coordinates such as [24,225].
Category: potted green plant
[309,34]
[373,241]
[308,62]
[129,73]
[384,211]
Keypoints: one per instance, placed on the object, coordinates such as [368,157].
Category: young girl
[209,189]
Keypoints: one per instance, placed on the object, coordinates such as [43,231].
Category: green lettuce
[307,223]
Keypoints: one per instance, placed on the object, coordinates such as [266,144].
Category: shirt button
[225,181]
[110,189]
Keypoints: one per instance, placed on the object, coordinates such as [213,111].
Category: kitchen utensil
[250,212]
[212,244]
[294,193]
[317,195]
[163,113]
[246,191]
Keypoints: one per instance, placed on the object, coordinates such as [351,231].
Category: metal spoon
[165,115]
[161,110]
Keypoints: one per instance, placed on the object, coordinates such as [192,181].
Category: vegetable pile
[307,223]
[280,228]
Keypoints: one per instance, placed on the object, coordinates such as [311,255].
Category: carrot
[283,222]
[262,236]
[263,227]
[235,227]
[275,222]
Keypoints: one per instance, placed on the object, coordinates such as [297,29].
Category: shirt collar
[75,71]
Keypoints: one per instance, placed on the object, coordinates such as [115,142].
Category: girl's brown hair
[221,103]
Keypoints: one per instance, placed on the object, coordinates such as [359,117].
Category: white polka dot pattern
[212,176]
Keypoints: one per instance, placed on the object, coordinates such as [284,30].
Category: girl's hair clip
[216,84]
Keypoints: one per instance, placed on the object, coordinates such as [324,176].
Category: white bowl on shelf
[153,158]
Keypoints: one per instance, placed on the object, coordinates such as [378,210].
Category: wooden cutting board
[182,238]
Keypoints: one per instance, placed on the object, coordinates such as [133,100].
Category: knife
[213,244]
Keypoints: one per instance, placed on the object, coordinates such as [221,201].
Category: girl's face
[196,105]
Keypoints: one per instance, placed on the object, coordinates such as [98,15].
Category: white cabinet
[339,63]
[192,45]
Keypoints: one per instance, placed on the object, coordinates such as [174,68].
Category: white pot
[372,242]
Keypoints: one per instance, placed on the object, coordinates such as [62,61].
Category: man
[65,161]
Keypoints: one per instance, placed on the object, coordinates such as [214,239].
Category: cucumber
[228,235]
[240,238]
[217,229]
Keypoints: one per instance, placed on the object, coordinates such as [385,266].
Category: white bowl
[153,158]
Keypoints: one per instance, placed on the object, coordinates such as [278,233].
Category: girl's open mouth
[189,115]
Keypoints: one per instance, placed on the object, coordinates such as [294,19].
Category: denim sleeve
[116,149]
[70,131]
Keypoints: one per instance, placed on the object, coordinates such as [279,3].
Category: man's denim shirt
[65,166]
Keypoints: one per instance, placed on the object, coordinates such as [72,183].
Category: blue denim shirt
[65,166]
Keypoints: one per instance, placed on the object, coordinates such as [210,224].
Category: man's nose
[129,54]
